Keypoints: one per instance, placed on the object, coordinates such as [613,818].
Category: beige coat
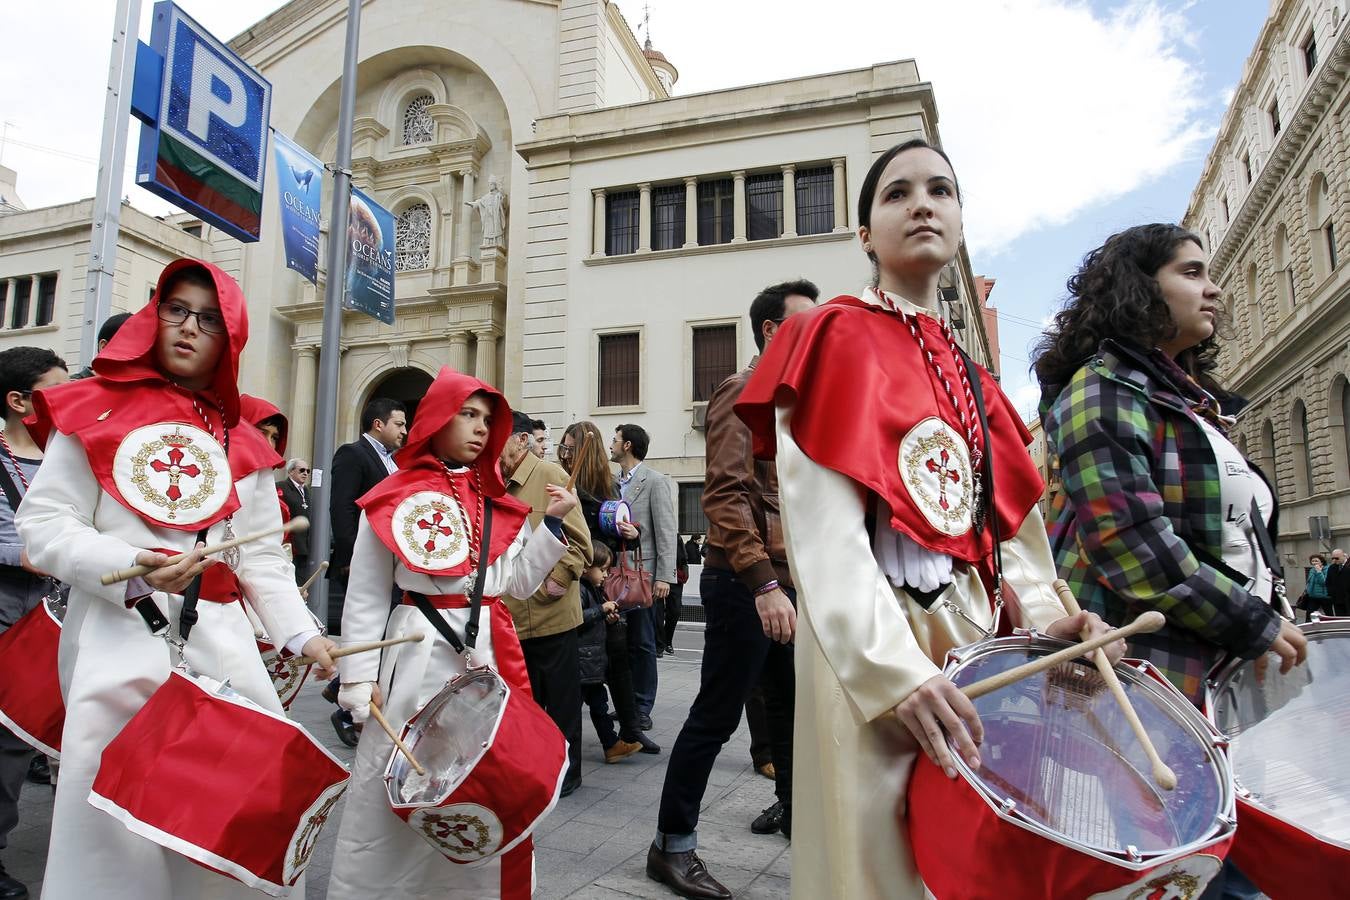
[540,615]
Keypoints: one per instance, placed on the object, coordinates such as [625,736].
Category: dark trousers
[670,612]
[735,654]
[555,679]
[642,657]
[15,756]
[619,680]
[301,568]
[761,745]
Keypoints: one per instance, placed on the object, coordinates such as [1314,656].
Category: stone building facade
[1273,207]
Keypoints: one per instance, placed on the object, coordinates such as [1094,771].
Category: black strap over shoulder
[191,594]
[12,493]
[987,511]
[471,627]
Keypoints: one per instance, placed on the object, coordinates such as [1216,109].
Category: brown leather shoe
[684,874]
[767,770]
[621,750]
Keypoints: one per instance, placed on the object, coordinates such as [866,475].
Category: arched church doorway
[405,385]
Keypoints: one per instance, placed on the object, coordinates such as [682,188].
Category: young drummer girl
[421,530]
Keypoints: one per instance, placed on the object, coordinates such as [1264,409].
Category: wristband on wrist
[766,587]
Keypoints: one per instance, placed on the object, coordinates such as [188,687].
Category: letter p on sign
[211,78]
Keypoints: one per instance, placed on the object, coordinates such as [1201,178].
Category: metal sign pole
[325,421]
[102,264]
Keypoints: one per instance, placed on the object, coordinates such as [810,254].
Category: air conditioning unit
[700,418]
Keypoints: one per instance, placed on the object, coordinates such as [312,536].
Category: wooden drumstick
[576,460]
[1148,622]
[309,582]
[358,648]
[398,741]
[1162,775]
[299,523]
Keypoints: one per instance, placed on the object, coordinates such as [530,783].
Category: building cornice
[630,43]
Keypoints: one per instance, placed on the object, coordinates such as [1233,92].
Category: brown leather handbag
[628,587]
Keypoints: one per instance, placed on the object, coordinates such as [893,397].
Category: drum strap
[475,599]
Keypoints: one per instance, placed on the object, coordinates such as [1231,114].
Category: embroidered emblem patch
[463,832]
[429,531]
[172,472]
[306,837]
[1184,879]
[935,468]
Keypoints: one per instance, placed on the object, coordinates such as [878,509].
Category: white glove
[907,563]
[355,698]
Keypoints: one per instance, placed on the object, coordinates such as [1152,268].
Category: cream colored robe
[862,647]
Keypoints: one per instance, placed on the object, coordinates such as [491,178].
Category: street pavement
[594,843]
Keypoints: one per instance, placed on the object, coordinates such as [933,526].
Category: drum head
[1059,748]
[448,736]
[1289,732]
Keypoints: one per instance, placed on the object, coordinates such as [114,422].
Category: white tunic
[1238,487]
[861,648]
[110,663]
[378,854]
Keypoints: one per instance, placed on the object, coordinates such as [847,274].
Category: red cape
[857,383]
[421,470]
[256,410]
[130,392]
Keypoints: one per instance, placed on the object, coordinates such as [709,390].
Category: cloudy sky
[1067,119]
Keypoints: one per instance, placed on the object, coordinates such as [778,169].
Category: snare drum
[612,514]
[209,774]
[1288,737]
[286,678]
[30,688]
[494,761]
[1063,804]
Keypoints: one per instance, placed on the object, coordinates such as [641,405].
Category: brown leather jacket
[740,496]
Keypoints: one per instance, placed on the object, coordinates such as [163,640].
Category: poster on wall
[370,259]
[299,186]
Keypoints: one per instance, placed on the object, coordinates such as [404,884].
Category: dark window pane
[764,206]
[815,200]
[1330,232]
[46,305]
[692,519]
[4,300]
[621,223]
[1310,54]
[716,210]
[618,370]
[23,292]
[714,358]
[1275,118]
[668,217]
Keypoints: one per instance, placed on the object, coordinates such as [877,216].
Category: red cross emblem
[945,472]
[175,468]
[434,528]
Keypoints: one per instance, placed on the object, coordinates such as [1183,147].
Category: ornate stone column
[789,201]
[644,218]
[304,392]
[691,212]
[598,222]
[485,355]
[464,266]
[840,197]
[738,208]
[459,351]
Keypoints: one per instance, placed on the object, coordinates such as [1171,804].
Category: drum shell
[286,678]
[231,786]
[509,790]
[30,687]
[612,512]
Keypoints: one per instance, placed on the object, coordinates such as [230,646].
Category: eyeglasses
[565,450]
[209,320]
[303,471]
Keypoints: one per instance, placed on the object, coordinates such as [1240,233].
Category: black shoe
[685,874]
[769,821]
[39,771]
[660,652]
[785,826]
[670,648]
[648,745]
[329,691]
[11,889]
[569,788]
[644,723]
[345,727]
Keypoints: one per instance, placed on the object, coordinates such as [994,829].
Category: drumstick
[1149,621]
[358,648]
[398,741]
[299,523]
[309,582]
[576,460]
[1162,775]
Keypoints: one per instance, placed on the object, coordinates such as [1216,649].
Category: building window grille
[23,293]
[412,238]
[716,211]
[692,519]
[46,300]
[764,206]
[1310,54]
[418,125]
[815,200]
[714,358]
[1274,112]
[618,370]
[621,223]
[668,217]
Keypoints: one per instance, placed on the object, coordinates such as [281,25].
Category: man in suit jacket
[295,494]
[652,498]
[1338,584]
[358,467]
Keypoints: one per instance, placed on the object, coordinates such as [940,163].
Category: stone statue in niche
[491,213]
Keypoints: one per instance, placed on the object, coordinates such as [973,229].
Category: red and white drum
[1288,736]
[286,678]
[255,818]
[30,689]
[1063,804]
[494,765]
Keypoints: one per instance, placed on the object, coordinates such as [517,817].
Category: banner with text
[300,187]
[370,261]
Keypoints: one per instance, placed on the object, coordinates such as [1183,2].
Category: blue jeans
[642,658]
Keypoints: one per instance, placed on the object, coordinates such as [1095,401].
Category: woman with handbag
[1315,597]
[581,453]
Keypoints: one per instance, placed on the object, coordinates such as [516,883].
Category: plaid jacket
[1138,524]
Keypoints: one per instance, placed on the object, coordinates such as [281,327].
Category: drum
[1063,804]
[494,762]
[1288,737]
[211,775]
[612,513]
[30,689]
[286,678]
